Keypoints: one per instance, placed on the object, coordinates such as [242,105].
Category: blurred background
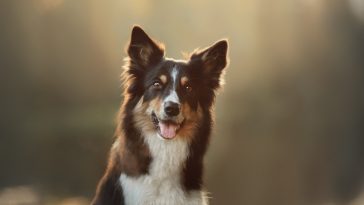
[289,122]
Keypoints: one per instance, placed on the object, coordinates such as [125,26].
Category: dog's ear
[212,60]
[143,50]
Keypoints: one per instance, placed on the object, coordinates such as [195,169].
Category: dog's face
[171,94]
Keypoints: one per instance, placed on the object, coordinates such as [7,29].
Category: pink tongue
[168,130]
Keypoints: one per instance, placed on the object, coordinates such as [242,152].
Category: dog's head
[171,95]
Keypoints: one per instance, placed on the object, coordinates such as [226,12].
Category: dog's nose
[171,108]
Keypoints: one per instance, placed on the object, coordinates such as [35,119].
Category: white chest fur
[162,186]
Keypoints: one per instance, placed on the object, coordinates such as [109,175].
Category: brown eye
[188,88]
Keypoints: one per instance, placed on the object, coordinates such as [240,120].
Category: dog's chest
[162,185]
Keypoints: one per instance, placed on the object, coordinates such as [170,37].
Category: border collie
[164,126]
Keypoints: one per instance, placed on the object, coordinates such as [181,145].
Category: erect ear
[142,49]
[213,60]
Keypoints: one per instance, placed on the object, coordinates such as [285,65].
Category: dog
[164,125]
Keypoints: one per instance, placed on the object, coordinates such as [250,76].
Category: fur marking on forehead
[173,96]
[174,74]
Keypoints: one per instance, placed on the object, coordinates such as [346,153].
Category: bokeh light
[289,121]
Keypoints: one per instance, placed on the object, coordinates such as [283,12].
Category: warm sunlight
[288,122]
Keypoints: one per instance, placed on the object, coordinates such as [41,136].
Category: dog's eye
[188,88]
[157,85]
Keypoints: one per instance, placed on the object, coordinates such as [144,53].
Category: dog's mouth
[167,129]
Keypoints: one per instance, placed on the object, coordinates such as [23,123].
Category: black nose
[171,108]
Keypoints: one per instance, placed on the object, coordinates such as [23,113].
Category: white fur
[173,97]
[174,76]
[172,93]
[162,185]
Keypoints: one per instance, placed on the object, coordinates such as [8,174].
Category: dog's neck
[163,184]
[168,156]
